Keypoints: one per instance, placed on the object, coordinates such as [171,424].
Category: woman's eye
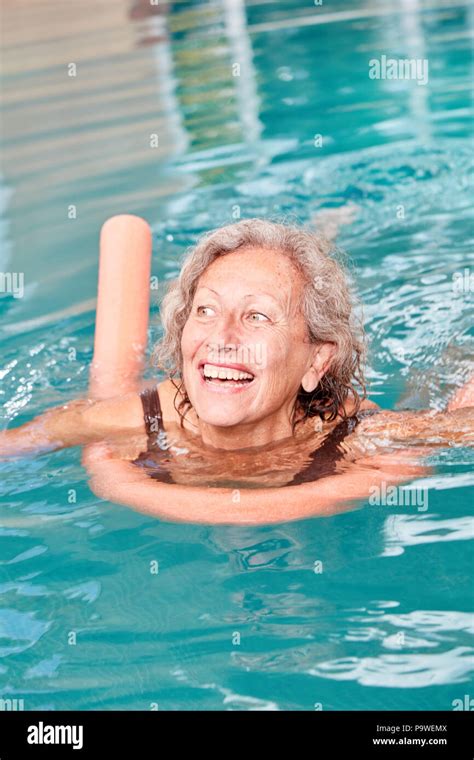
[257,316]
[205,311]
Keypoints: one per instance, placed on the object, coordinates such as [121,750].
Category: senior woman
[264,415]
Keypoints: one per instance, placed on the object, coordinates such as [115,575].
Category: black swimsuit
[154,459]
[322,461]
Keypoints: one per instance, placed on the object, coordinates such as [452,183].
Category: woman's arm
[113,406]
[427,427]
[121,482]
[76,423]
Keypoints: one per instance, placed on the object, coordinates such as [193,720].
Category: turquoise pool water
[235,618]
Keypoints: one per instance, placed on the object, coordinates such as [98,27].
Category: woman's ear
[322,359]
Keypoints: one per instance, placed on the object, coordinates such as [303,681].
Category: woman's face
[245,344]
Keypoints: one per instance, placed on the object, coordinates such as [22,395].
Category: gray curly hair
[327,303]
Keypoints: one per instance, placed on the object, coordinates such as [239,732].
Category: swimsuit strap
[155,455]
[152,413]
[323,459]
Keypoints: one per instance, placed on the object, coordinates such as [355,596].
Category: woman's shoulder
[350,406]
[167,390]
[169,396]
[116,413]
[127,411]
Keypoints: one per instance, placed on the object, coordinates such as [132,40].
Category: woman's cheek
[190,341]
[280,348]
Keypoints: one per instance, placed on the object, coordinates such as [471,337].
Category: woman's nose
[228,327]
[226,334]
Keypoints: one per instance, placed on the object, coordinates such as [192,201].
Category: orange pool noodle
[123,303]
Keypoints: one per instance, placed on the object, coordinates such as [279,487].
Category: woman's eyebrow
[248,295]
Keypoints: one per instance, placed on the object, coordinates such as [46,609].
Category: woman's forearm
[436,428]
[121,482]
[76,423]
[57,428]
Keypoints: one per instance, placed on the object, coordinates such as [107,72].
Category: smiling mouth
[225,376]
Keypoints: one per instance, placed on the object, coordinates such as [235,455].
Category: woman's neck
[263,433]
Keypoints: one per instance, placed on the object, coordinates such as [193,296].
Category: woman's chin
[222,423]
[221,416]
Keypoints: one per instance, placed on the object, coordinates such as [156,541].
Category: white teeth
[224,373]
